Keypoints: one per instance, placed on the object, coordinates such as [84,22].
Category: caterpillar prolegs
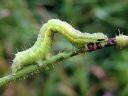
[42,46]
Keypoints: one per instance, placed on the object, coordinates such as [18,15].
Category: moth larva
[42,46]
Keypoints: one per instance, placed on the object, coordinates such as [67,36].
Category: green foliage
[94,74]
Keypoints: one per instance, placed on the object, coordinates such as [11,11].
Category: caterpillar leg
[15,68]
[40,62]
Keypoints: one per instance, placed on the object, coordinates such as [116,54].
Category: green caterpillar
[42,46]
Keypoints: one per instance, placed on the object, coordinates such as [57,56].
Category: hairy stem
[55,59]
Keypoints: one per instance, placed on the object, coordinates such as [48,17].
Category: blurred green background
[100,73]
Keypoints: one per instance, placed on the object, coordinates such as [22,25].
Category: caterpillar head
[100,36]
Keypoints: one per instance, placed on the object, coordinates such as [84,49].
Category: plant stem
[53,60]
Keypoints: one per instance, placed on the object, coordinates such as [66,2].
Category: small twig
[53,60]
